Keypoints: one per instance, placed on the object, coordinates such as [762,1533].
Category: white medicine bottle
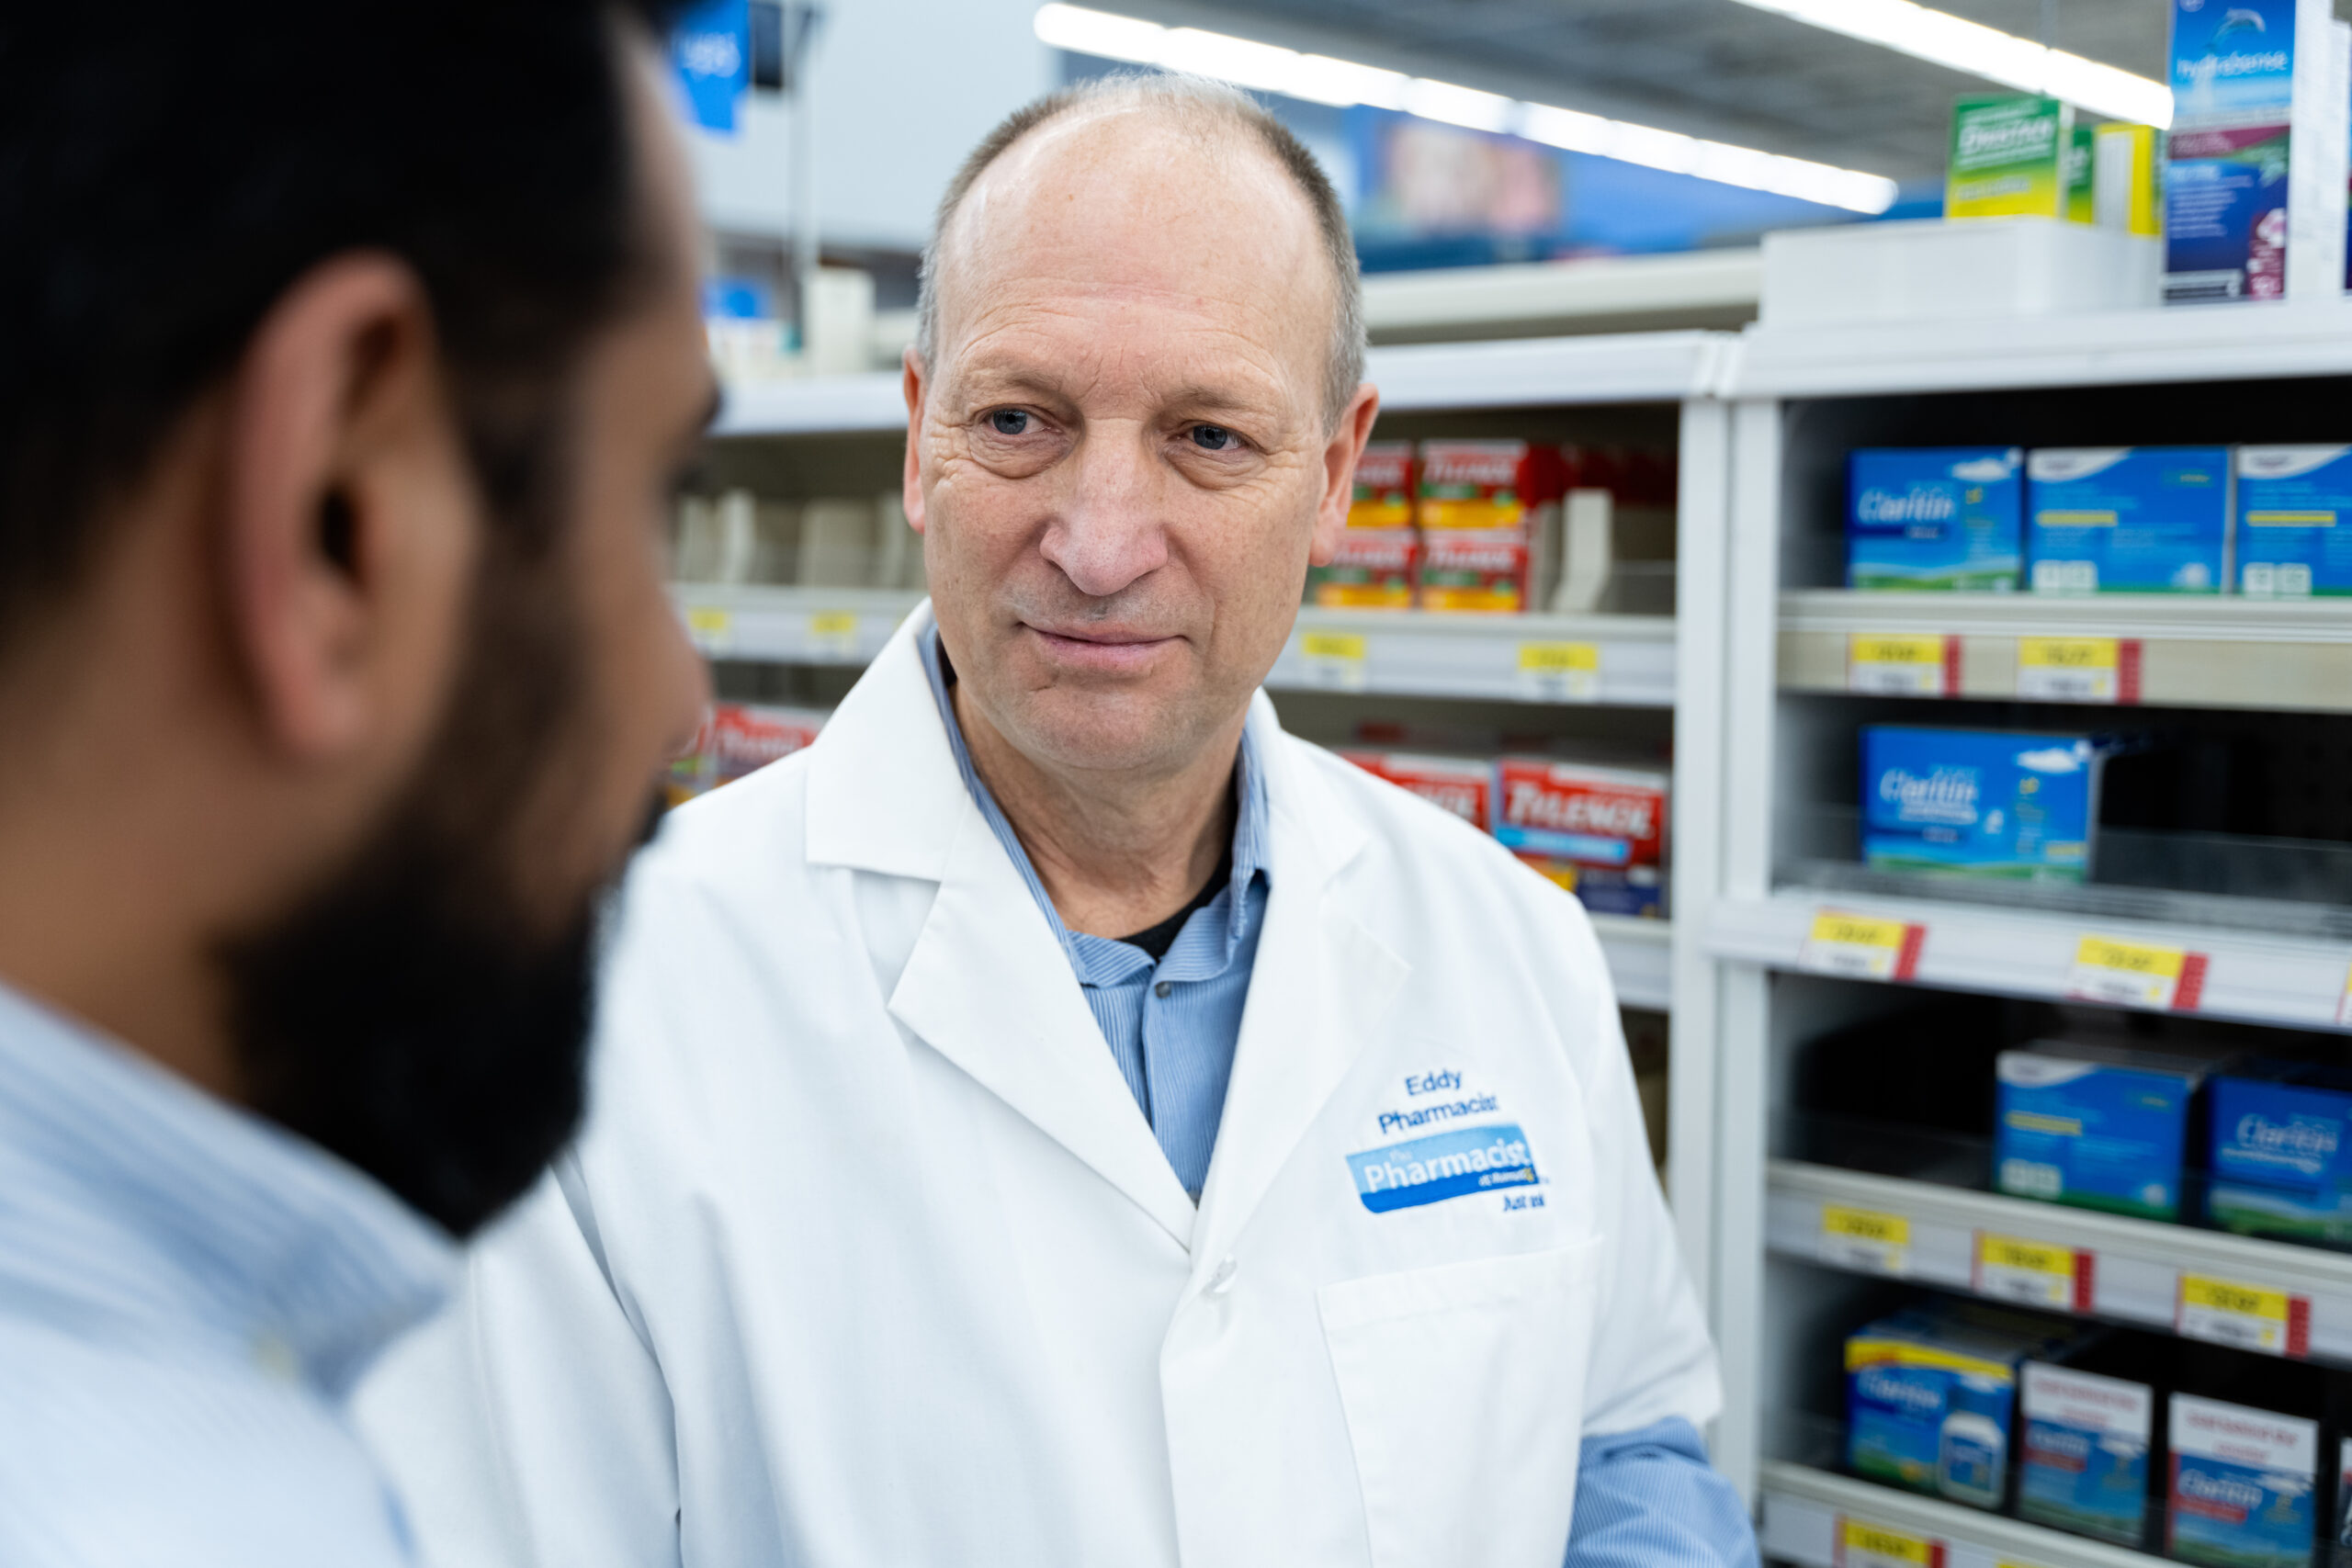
[1972,1448]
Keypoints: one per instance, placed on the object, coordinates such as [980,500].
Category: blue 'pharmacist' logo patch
[1447,1165]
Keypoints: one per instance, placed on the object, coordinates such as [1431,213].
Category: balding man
[1059,1119]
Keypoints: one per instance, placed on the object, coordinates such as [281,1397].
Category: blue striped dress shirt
[187,1294]
[1645,1498]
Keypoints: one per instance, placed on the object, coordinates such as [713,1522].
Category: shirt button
[1221,1277]
[1161,989]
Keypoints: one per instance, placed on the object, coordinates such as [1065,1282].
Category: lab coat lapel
[1320,986]
[986,985]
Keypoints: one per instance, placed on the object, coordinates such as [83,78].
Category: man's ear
[912,480]
[348,528]
[1340,455]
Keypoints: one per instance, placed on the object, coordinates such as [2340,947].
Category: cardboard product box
[2294,521]
[2082,178]
[2010,157]
[737,739]
[2094,1126]
[2282,1151]
[1483,508]
[1380,548]
[1930,1397]
[2090,1436]
[1600,832]
[2128,519]
[1464,785]
[2243,1488]
[1932,518]
[1980,803]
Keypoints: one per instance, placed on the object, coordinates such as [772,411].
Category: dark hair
[168,169]
[1207,108]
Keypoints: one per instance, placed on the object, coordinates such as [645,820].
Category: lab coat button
[1221,1277]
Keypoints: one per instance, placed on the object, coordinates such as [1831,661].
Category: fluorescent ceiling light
[1318,78]
[1955,41]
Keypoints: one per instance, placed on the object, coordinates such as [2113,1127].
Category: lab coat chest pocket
[1464,1391]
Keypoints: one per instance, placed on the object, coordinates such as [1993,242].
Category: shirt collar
[190,1212]
[1249,826]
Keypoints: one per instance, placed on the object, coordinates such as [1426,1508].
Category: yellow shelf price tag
[1865,1239]
[1560,671]
[1333,659]
[1862,1544]
[833,634]
[2133,975]
[2031,1273]
[1905,666]
[1862,947]
[711,628]
[2078,668]
[2248,1317]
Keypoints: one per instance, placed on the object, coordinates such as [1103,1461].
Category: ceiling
[1711,68]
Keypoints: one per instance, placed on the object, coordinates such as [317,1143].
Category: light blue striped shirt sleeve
[1645,1499]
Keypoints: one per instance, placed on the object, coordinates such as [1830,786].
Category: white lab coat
[867,1257]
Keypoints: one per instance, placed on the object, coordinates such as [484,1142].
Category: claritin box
[2295,534]
[2094,1126]
[2128,519]
[2281,1164]
[1930,1393]
[1935,518]
[1979,802]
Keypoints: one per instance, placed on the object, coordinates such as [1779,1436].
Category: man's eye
[1213,438]
[1009,422]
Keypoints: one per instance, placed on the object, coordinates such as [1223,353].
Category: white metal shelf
[1700,288]
[2127,1269]
[1622,367]
[1614,661]
[791,626]
[2219,342]
[2222,651]
[1807,1511]
[2015,953]
[1640,954]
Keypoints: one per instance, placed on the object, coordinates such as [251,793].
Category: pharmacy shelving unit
[800,436]
[1797,940]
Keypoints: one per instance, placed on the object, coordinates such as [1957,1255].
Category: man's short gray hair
[1212,109]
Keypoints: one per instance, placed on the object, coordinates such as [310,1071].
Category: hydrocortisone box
[2281,1164]
[1930,1396]
[2084,1463]
[1463,785]
[1380,547]
[1979,802]
[2094,1126]
[1480,505]
[2294,533]
[2008,158]
[2245,1483]
[2128,519]
[1598,832]
[1935,518]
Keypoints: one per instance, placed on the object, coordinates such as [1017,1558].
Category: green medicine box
[2011,157]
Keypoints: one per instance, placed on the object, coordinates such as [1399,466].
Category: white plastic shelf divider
[2133,1271]
[1625,368]
[2221,342]
[1614,661]
[1807,1511]
[791,626]
[1640,954]
[2191,652]
[2014,952]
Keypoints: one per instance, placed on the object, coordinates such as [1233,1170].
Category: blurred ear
[1340,455]
[911,482]
[348,525]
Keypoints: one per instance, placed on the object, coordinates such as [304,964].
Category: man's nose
[1111,531]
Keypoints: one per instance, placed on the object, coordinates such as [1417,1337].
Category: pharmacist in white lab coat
[1059,1120]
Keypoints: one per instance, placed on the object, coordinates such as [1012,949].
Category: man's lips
[1097,648]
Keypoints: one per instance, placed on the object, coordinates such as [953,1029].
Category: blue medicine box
[2097,1126]
[2294,533]
[2128,519]
[1935,518]
[2281,1165]
[2088,1438]
[1930,1397]
[1979,802]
